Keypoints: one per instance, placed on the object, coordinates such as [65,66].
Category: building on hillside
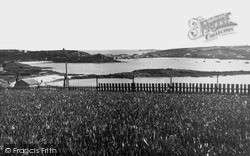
[28,83]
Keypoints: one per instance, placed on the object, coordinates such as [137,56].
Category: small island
[162,73]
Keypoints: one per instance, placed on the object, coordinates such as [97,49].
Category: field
[115,123]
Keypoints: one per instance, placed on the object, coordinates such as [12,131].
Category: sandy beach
[56,80]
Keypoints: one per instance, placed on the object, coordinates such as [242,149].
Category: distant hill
[120,51]
[220,52]
[71,56]
[99,56]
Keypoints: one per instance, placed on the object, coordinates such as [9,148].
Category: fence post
[104,87]
[196,88]
[164,86]
[237,88]
[176,87]
[248,89]
[216,88]
[212,88]
[219,88]
[180,88]
[108,86]
[101,85]
[224,88]
[144,87]
[132,87]
[172,87]
[201,87]
[97,85]
[116,87]
[125,87]
[228,88]
[204,88]
[184,88]
[232,89]
[113,87]
[245,89]
[193,90]
[129,87]
[241,89]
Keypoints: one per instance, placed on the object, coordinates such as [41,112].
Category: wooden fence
[177,87]
[243,89]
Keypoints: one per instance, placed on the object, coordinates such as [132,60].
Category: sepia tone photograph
[124,78]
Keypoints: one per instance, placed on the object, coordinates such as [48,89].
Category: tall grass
[113,123]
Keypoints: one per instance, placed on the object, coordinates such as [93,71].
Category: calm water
[148,63]
[153,63]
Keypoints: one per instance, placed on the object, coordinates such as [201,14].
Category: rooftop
[30,81]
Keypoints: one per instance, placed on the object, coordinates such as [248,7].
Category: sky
[114,24]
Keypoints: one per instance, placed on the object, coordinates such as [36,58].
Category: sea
[128,65]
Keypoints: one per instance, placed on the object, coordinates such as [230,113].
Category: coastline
[48,76]
[163,73]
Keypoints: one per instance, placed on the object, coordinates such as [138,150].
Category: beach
[46,80]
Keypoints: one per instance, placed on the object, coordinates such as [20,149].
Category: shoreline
[47,75]
[57,79]
[162,73]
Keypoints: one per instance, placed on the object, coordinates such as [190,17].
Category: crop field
[119,123]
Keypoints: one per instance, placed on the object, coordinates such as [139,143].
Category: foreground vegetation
[113,123]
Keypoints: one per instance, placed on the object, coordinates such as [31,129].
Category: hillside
[75,56]
[71,56]
[220,52]
[120,51]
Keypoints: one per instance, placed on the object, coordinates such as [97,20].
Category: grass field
[113,123]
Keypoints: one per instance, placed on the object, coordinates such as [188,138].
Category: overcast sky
[114,24]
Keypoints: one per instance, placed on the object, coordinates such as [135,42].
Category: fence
[177,87]
[243,89]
